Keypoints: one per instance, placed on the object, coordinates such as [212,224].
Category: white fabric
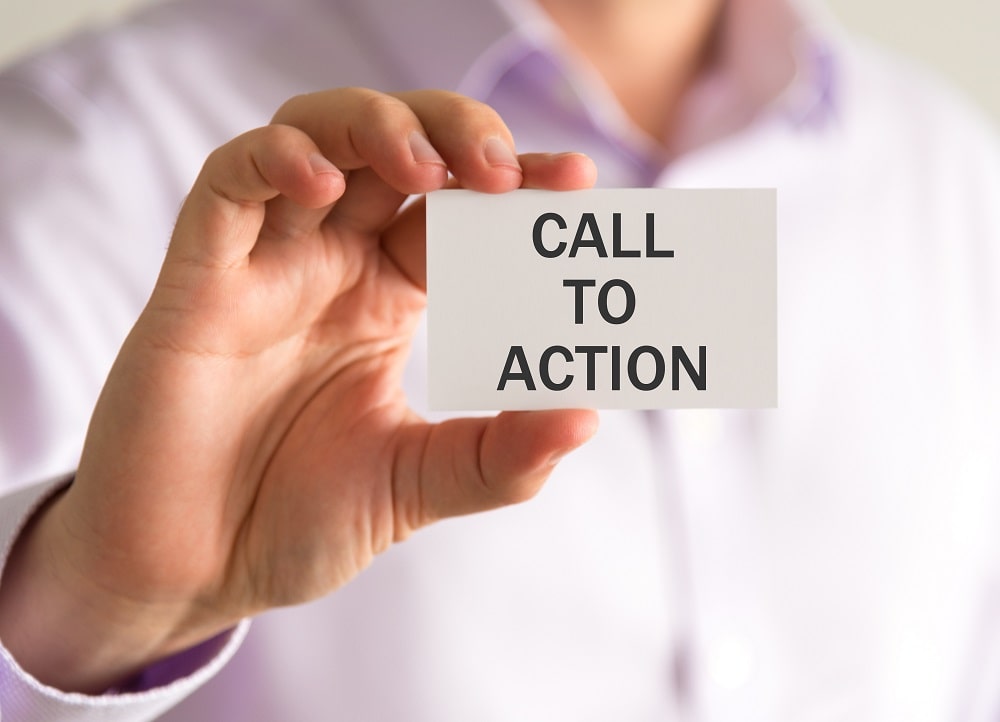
[24,698]
[837,558]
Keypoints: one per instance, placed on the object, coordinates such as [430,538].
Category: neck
[647,51]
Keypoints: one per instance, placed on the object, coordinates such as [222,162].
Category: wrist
[63,627]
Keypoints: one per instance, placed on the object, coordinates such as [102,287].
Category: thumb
[475,464]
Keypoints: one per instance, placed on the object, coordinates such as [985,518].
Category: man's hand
[253,446]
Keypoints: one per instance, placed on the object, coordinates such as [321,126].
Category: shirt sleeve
[24,699]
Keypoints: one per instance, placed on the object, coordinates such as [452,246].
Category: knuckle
[221,161]
[465,110]
[264,135]
[290,108]
[374,108]
[276,135]
[304,104]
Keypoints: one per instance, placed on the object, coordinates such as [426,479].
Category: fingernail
[321,165]
[423,151]
[498,153]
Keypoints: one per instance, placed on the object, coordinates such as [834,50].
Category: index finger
[356,128]
[408,141]
[409,138]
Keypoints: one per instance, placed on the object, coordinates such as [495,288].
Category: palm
[312,323]
[333,333]
[253,446]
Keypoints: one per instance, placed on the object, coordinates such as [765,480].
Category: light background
[959,38]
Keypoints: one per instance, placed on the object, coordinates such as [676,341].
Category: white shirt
[836,558]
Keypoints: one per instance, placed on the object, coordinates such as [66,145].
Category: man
[253,448]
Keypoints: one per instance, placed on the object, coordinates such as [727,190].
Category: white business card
[613,299]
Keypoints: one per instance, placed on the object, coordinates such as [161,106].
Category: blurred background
[960,39]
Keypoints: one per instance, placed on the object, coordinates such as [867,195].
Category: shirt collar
[778,65]
[777,62]
[432,43]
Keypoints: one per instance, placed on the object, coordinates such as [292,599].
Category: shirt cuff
[152,692]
